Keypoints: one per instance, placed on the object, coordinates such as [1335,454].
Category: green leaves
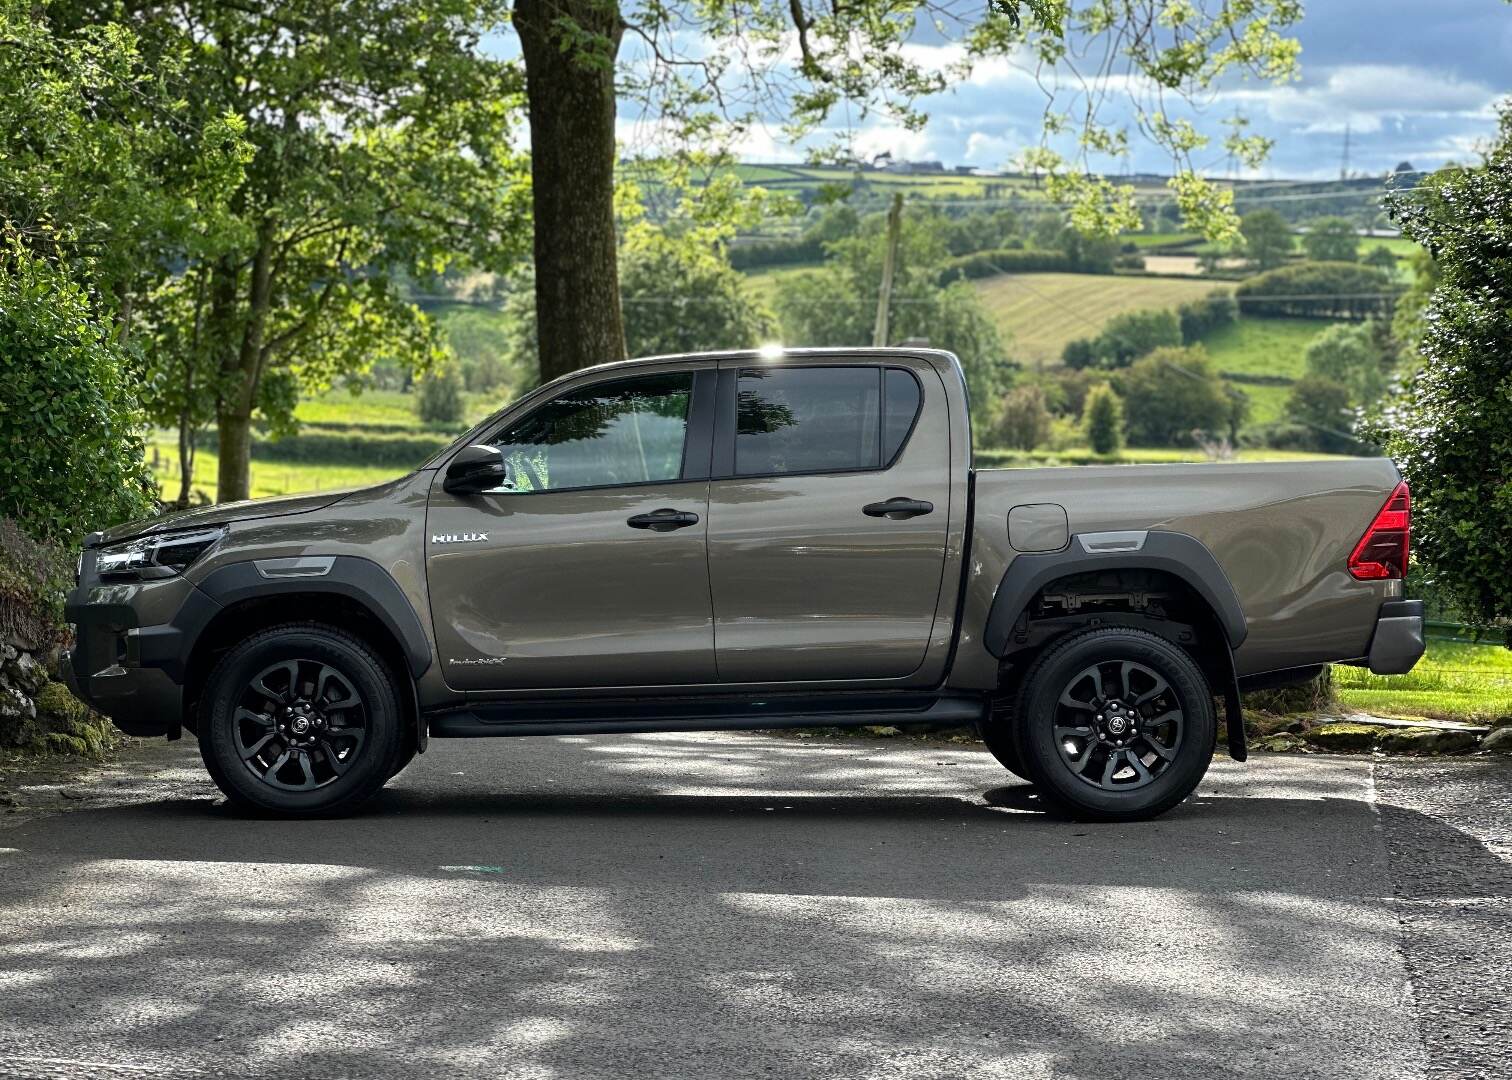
[70,453]
[1451,431]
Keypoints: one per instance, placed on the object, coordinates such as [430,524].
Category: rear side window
[900,407]
[822,419]
[800,420]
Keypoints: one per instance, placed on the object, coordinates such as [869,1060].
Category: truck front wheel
[1115,724]
[301,720]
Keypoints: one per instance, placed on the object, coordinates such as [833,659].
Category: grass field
[764,282]
[385,408]
[268,477]
[1456,680]
[1041,312]
[1253,346]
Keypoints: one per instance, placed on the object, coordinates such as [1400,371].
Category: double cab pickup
[745,541]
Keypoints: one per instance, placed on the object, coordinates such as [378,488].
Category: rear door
[829,515]
[590,569]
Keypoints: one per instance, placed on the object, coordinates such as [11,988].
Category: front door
[828,520]
[589,569]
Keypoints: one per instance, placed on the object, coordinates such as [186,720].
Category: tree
[1206,314]
[1381,258]
[368,163]
[438,395]
[1323,406]
[108,175]
[708,71]
[680,295]
[836,305]
[1103,420]
[1023,419]
[1347,354]
[1267,239]
[1448,433]
[1331,239]
[1124,338]
[1172,394]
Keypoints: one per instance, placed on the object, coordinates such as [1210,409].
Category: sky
[1412,80]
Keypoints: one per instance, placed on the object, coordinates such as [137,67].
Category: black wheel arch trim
[1184,557]
[350,576]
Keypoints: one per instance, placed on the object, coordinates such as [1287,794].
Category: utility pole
[889,261]
[1344,163]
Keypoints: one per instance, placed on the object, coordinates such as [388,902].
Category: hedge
[327,447]
[981,264]
[776,253]
[1335,290]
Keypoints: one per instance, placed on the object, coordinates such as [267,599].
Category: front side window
[628,431]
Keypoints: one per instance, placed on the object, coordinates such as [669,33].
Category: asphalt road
[748,906]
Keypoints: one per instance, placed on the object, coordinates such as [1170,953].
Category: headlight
[150,557]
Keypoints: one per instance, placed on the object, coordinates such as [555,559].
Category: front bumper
[129,655]
[1397,643]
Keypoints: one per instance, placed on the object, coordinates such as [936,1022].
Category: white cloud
[1366,96]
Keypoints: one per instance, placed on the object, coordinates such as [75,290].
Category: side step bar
[605,716]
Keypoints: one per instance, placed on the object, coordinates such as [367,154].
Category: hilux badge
[458,538]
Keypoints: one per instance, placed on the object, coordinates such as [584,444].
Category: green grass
[1040,313]
[1254,346]
[1161,240]
[1456,680]
[385,408]
[765,282]
[268,477]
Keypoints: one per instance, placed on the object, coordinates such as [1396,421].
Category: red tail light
[1382,551]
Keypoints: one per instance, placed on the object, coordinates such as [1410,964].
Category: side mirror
[476,468]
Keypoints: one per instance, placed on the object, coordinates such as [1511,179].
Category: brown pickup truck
[739,540]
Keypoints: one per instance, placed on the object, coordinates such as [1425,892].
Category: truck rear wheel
[301,720]
[1115,724]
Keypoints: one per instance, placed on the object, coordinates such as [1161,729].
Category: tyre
[998,736]
[301,720]
[1115,724]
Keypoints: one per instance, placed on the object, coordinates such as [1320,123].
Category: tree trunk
[243,369]
[570,92]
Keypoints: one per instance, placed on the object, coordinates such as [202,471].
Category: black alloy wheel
[300,724]
[1114,724]
[302,720]
[1118,725]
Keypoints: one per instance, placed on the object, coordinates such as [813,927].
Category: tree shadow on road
[663,918]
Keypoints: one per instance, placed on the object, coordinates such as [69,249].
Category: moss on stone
[1344,737]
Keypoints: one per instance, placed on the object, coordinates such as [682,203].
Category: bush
[71,456]
[355,447]
[1103,420]
[438,396]
[1322,405]
[33,579]
[1199,318]
[804,249]
[1080,353]
[1331,239]
[1331,290]
[1450,433]
[1348,355]
[1023,420]
[1172,394]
